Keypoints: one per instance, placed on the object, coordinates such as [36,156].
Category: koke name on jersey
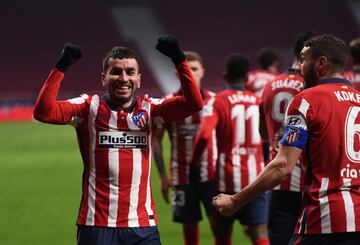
[123,139]
[347,96]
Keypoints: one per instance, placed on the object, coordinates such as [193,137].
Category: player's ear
[322,62]
[139,81]
[103,82]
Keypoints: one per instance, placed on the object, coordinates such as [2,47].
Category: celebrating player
[235,115]
[114,135]
[187,198]
[323,123]
[285,199]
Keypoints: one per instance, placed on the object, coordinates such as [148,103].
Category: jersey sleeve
[298,117]
[179,107]
[47,109]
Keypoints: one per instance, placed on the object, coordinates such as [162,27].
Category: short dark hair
[236,67]
[119,52]
[193,56]
[301,38]
[333,48]
[267,57]
[355,50]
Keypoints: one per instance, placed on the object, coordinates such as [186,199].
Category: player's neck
[333,75]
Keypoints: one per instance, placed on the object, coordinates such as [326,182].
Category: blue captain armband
[294,136]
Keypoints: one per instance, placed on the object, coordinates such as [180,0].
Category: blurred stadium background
[40,170]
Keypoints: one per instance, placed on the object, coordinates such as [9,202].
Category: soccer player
[187,198]
[322,122]
[114,133]
[268,59]
[353,75]
[285,199]
[235,115]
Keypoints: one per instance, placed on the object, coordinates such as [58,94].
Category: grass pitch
[40,189]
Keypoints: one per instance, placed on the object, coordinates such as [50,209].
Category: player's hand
[224,204]
[169,46]
[165,186]
[69,55]
[194,174]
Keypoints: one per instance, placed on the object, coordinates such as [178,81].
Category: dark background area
[33,34]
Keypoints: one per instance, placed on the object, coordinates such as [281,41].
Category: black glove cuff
[178,58]
[61,67]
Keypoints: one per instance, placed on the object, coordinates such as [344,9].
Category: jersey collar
[113,107]
[335,80]
[235,87]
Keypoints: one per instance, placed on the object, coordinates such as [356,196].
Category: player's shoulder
[146,99]
[82,98]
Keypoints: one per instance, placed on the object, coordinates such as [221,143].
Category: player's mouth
[122,88]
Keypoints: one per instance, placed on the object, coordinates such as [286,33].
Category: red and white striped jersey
[330,113]
[115,146]
[354,77]
[275,99]
[235,115]
[182,134]
[257,80]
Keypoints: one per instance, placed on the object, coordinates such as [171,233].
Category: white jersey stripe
[236,158]
[90,216]
[222,184]
[295,179]
[135,180]
[203,168]
[174,154]
[113,175]
[135,184]
[148,190]
[252,168]
[324,206]
[349,205]
[304,106]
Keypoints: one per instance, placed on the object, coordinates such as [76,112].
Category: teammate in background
[354,74]
[268,59]
[285,199]
[322,122]
[235,115]
[114,136]
[187,198]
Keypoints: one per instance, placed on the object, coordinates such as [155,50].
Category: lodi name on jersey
[122,139]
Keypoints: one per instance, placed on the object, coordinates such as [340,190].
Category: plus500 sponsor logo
[122,139]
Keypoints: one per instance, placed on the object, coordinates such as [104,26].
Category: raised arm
[191,101]
[47,108]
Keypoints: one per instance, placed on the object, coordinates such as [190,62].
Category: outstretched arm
[273,174]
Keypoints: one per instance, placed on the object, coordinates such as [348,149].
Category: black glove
[69,55]
[169,46]
[194,175]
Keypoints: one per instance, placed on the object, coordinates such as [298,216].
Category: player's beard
[310,77]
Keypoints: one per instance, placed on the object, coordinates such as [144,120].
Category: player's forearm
[192,95]
[46,107]
[273,174]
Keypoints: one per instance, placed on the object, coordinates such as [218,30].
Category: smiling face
[121,78]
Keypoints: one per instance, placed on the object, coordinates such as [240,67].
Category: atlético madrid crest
[292,135]
[141,119]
